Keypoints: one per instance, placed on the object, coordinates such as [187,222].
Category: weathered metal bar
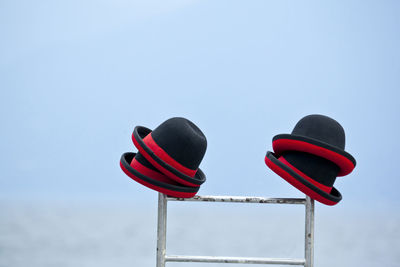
[239,199]
[213,259]
[162,258]
[161,229]
[309,233]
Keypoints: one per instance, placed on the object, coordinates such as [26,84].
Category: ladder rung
[213,259]
[236,199]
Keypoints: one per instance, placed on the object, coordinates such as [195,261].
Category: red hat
[168,159]
[139,169]
[312,157]
[175,148]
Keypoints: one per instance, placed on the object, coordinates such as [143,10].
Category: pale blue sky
[77,76]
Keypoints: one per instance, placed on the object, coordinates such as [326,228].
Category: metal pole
[237,199]
[161,229]
[309,233]
[251,260]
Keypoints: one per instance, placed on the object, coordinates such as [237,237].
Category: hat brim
[141,132]
[290,142]
[300,183]
[164,186]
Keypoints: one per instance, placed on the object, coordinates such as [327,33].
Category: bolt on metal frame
[308,260]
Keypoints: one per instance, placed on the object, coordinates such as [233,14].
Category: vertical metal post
[309,233]
[161,229]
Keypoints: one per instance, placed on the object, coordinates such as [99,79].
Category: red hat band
[151,173]
[153,179]
[281,145]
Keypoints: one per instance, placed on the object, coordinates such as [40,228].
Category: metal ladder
[308,260]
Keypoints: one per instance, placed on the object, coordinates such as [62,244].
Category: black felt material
[182,140]
[142,160]
[317,168]
[141,132]
[322,128]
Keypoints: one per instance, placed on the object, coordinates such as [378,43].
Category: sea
[100,235]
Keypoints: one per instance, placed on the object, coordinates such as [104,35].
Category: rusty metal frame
[308,260]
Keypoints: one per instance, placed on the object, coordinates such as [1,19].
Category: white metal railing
[308,260]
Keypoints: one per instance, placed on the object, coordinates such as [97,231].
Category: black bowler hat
[176,148]
[312,157]
[139,169]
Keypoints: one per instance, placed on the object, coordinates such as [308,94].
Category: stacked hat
[311,157]
[168,158]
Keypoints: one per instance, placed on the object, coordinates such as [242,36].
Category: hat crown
[321,128]
[182,140]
